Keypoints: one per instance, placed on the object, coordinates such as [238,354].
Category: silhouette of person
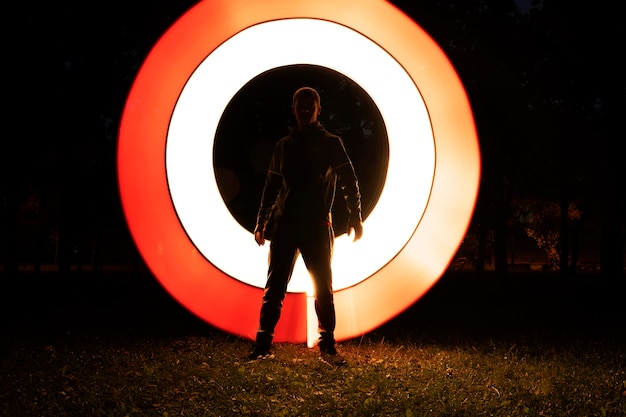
[307,168]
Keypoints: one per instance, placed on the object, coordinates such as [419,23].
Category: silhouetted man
[295,214]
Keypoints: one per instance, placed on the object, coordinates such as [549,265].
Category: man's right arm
[273,182]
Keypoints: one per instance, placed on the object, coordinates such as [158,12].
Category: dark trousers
[315,243]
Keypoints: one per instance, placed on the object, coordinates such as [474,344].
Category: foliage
[543,227]
[204,376]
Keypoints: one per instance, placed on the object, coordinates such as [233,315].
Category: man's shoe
[327,350]
[326,344]
[260,352]
[329,355]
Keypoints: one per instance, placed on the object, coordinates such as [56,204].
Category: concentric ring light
[173,207]
[194,123]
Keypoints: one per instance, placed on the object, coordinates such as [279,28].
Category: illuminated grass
[120,346]
[205,376]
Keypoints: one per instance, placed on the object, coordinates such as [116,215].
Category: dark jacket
[305,170]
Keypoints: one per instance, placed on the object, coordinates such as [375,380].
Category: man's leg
[317,254]
[282,258]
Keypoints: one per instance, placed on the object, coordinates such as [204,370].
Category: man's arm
[349,186]
[353,202]
[273,182]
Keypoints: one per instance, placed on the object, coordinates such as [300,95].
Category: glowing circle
[153,147]
[194,122]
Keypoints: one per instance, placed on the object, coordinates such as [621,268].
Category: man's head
[306,106]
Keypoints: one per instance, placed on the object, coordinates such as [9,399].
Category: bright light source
[191,177]
[166,138]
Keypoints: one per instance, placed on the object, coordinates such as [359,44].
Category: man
[295,214]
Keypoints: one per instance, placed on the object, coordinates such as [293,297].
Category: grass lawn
[119,346]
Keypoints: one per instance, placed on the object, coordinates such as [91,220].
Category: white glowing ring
[163,242]
[221,75]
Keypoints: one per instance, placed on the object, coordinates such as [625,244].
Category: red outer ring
[219,299]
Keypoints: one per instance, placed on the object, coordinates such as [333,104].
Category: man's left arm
[349,186]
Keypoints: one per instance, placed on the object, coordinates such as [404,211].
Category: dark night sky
[541,78]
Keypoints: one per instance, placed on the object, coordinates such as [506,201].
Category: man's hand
[259,236]
[357,226]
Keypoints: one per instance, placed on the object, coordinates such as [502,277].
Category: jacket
[306,169]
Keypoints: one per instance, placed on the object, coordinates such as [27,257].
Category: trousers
[314,242]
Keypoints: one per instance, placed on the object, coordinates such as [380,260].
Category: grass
[103,358]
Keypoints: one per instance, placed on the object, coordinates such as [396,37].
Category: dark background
[260,114]
[545,81]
